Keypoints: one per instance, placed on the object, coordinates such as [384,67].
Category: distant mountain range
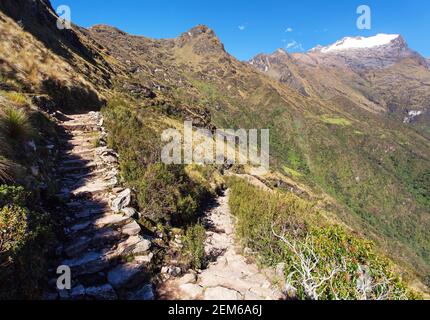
[379,74]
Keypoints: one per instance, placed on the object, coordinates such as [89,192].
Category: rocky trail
[230,276]
[104,247]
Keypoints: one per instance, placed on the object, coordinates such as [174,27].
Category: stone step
[88,226]
[91,262]
[95,186]
[79,176]
[80,126]
[99,260]
[127,275]
[87,168]
[77,162]
[101,238]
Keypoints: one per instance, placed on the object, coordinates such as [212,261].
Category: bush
[13,229]
[322,261]
[26,238]
[167,194]
[194,246]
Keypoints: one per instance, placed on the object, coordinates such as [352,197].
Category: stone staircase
[107,253]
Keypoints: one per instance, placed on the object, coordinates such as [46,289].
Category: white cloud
[242,27]
[294,45]
[289,29]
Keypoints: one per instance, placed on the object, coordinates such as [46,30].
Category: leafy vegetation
[194,246]
[321,260]
[164,192]
[25,239]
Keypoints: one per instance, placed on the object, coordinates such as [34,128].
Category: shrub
[167,194]
[194,246]
[26,238]
[13,228]
[13,195]
[14,124]
[322,261]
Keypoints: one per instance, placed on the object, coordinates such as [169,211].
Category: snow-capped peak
[359,43]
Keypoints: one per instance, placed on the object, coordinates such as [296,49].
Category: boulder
[121,201]
[104,292]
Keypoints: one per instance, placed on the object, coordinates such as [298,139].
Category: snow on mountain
[359,43]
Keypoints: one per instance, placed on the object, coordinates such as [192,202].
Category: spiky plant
[14,124]
[7,170]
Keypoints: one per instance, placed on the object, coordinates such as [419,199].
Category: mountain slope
[333,136]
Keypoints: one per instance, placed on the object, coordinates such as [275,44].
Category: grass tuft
[15,124]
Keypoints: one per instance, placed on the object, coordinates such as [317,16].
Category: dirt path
[104,245]
[230,276]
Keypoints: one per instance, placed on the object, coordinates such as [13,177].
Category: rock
[221,293]
[131,229]
[188,278]
[105,292]
[121,201]
[171,271]
[146,293]
[130,212]
[193,291]
[78,292]
[126,275]
[144,259]
[113,219]
[142,247]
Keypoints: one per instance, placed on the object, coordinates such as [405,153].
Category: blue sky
[250,27]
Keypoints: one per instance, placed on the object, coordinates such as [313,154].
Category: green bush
[166,193]
[13,229]
[194,246]
[26,238]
